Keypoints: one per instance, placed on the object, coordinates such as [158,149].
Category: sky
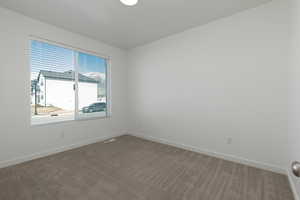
[54,58]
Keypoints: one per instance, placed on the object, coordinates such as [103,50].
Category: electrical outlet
[62,134]
[229,140]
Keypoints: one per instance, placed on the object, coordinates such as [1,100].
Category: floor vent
[109,141]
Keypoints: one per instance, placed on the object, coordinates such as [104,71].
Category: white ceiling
[111,22]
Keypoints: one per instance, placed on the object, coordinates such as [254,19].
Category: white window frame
[76,116]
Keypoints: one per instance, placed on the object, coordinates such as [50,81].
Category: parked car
[94,107]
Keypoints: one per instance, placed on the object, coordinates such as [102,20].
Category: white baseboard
[292,185]
[26,158]
[232,158]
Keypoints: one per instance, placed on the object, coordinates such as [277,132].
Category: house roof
[68,75]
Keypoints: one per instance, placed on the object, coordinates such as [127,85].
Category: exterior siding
[87,94]
[60,93]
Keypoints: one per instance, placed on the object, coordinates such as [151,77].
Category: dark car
[95,107]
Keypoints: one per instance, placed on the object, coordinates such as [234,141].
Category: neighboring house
[33,89]
[57,89]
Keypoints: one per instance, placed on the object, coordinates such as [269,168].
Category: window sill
[46,120]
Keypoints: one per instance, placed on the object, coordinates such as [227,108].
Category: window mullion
[108,88]
[76,69]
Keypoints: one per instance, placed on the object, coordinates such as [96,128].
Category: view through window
[66,84]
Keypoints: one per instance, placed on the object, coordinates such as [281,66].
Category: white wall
[223,81]
[18,138]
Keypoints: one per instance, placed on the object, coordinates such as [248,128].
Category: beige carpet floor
[135,169]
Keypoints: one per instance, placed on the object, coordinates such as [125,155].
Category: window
[67,84]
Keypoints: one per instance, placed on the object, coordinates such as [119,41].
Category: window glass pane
[55,73]
[52,83]
[91,85]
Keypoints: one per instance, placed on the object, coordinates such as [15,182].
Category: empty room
[150,100]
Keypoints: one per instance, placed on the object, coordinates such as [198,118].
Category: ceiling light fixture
[129,2]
